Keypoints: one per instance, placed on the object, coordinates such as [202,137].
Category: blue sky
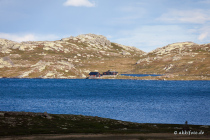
[145,24]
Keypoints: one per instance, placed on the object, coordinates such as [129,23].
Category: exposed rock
[49,74]
[94,39]
[5,50]
[15,56]
[6,62]
[129,48]
[204,126]
[147,59]
[47,116]
[53,46]
[7,45]
[178,58]
[65,39]
[168,67]
[76,56]
[40,66]
[125,53]
[2,114]
[25,74]
[69,65]
[171,47]
[175,58]
[106,127]
[87,71]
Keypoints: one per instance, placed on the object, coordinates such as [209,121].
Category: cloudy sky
[145,24]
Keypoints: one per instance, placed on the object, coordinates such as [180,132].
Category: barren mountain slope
[185,58]
[71,57]
[75,57]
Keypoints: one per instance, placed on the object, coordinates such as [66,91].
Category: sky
[145,24]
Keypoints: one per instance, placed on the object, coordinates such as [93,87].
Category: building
[110,73]
[93,75]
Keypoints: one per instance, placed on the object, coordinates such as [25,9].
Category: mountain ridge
[182,58]
[71,57]
[75,57]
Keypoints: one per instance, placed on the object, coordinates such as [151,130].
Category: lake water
[143,101]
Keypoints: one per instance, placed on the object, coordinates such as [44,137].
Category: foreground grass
[27,123]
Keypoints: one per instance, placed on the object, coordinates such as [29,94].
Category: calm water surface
[142,101]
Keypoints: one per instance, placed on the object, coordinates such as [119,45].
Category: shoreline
[168,77]
[36,125]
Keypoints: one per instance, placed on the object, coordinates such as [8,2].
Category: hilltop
[183,58]
[75,57]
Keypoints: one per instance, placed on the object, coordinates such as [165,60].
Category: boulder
[16,46]
[65,39]
[6,62]
[2,114]
[49,74]
[94,39]
[125,53]
[5,50]
[46,115]
[75,39]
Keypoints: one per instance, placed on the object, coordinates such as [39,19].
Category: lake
[142,101]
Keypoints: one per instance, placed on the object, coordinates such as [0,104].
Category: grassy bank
[27,123]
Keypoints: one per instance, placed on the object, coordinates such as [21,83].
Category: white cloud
[78,3]
[186,16]
[202,36]
[18,38]
[28,37]
[109,36]
[205,1]
[132,19]
[128,15]
[148,38]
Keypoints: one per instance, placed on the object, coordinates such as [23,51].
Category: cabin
[94,75]
[110,73]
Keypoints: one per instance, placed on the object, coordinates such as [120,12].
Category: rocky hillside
[75,57]
[185,58]
[71,57]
